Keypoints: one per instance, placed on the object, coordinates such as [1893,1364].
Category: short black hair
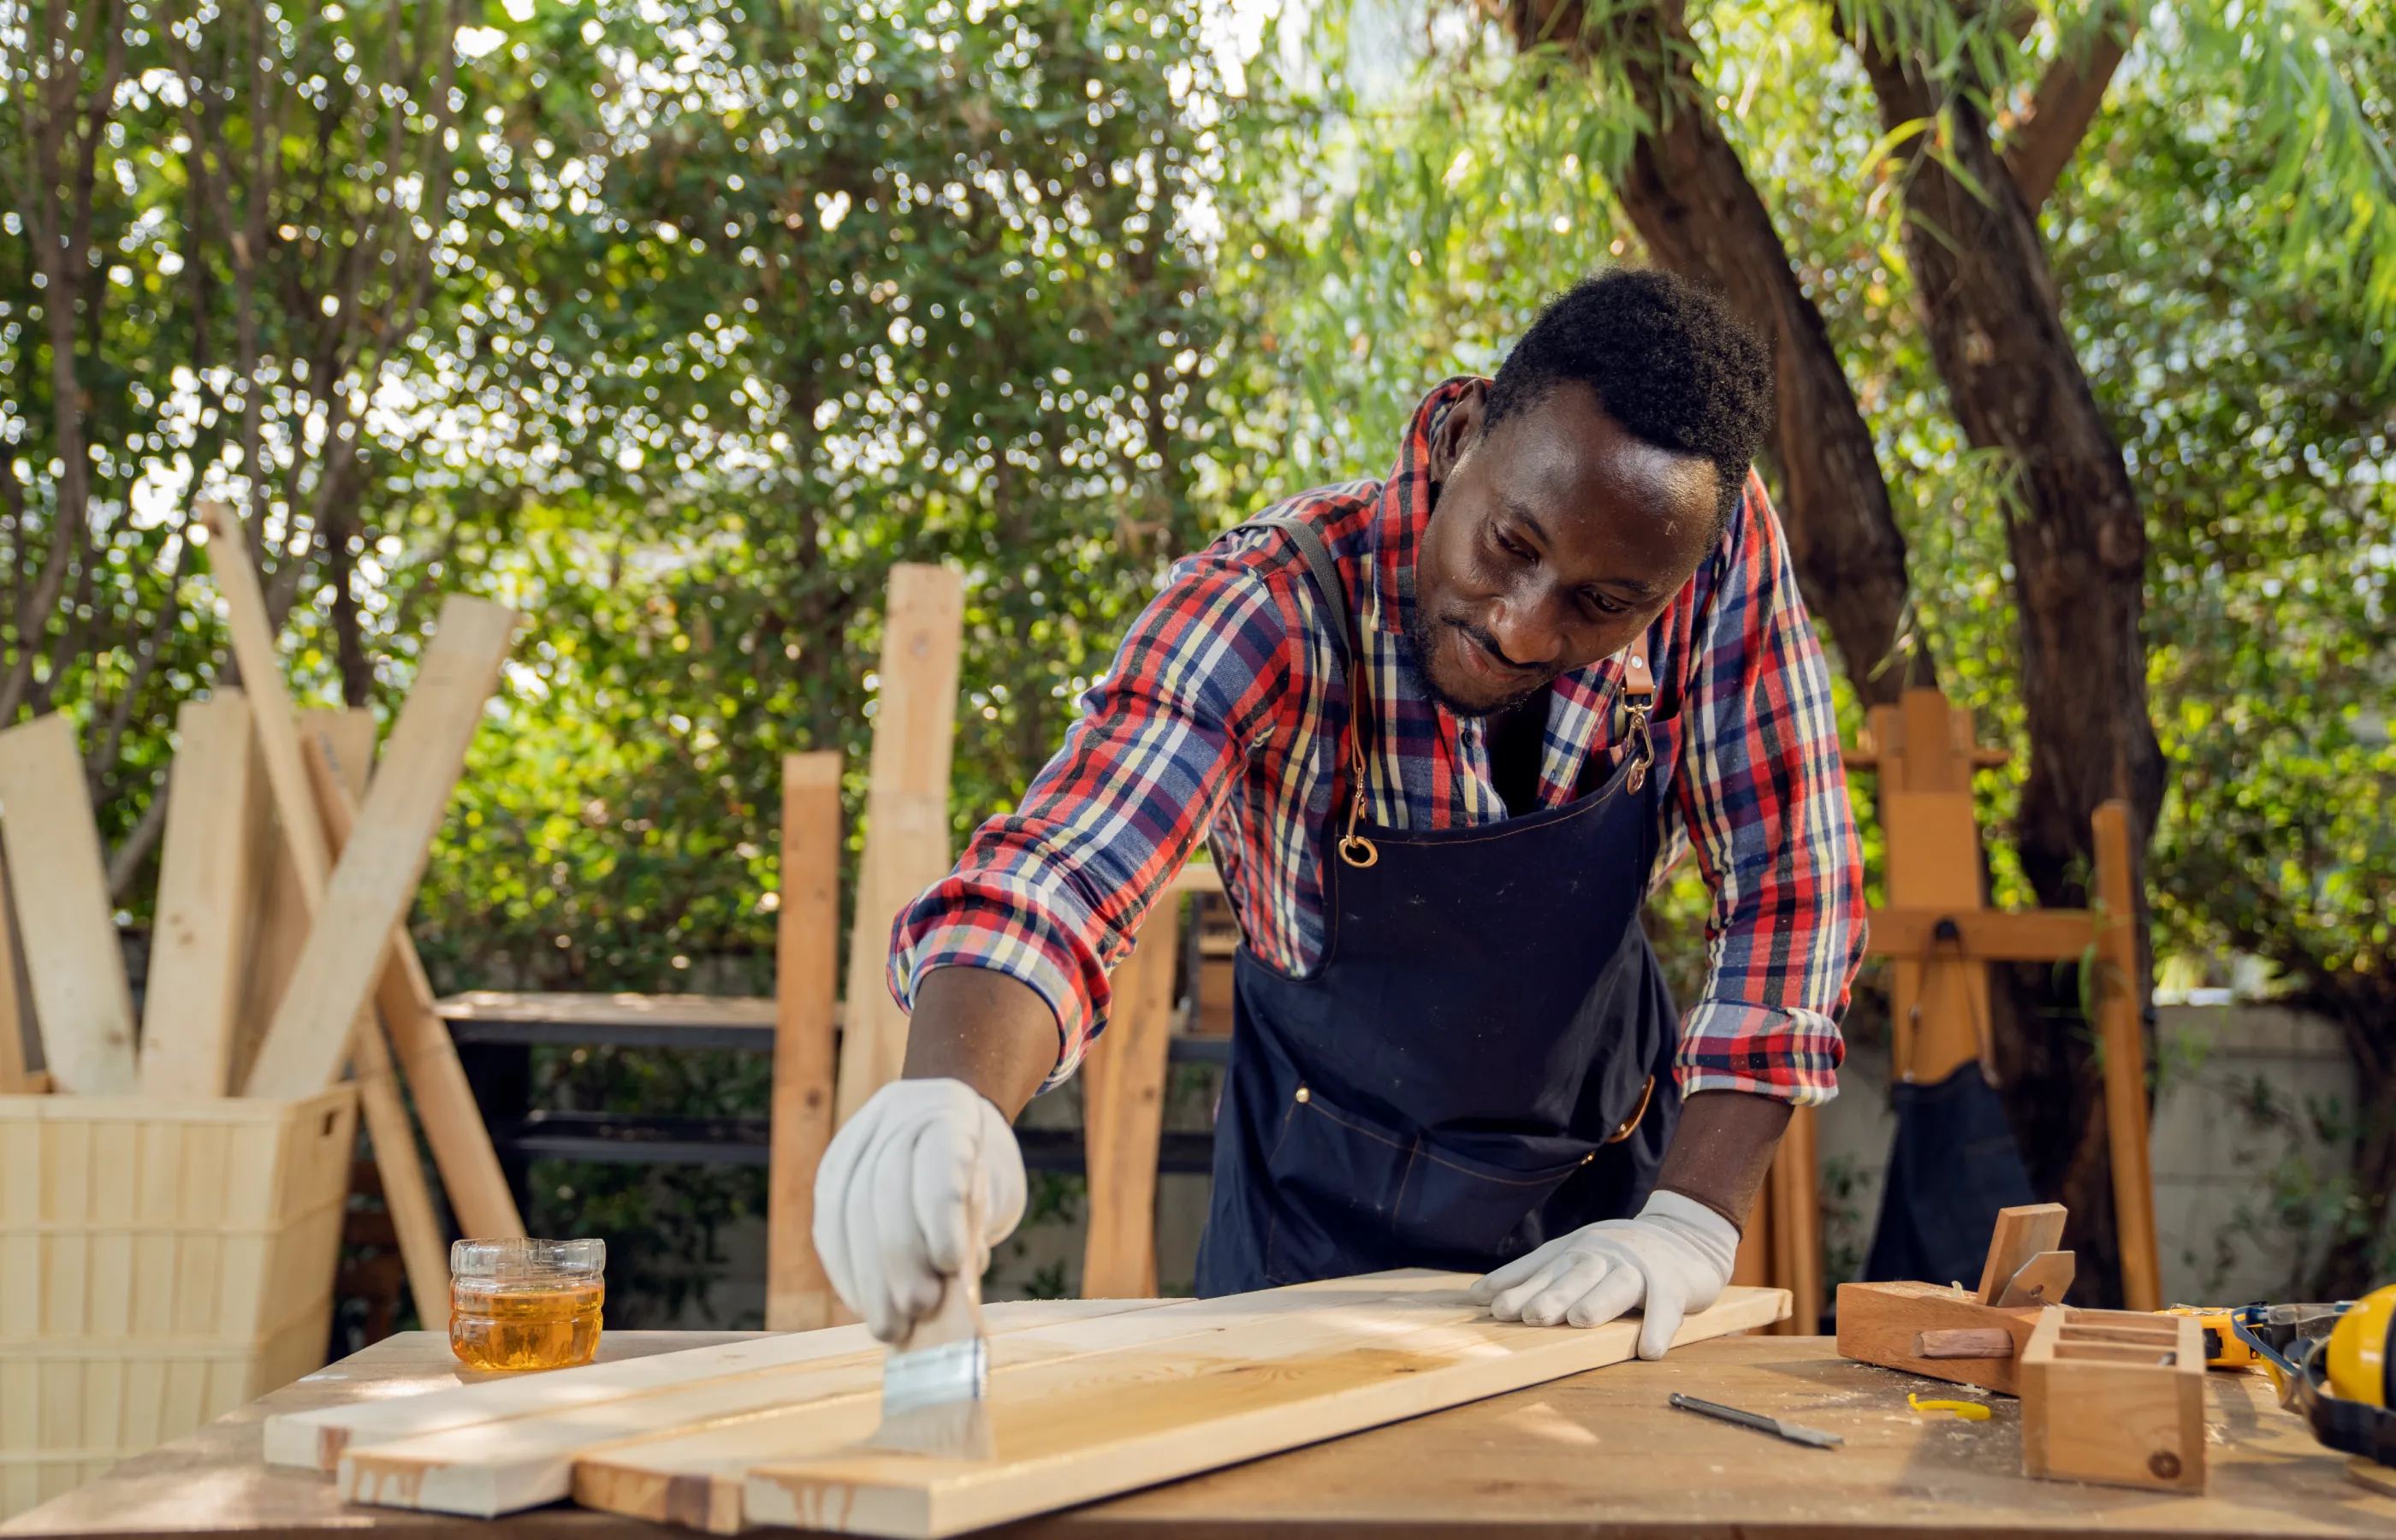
[1668,361]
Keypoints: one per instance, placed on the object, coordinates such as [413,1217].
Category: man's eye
[1598,604]
[1513,547]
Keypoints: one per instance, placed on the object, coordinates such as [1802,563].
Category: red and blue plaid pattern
[1222,717]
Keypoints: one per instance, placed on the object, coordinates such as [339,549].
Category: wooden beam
[1122,1114]
[1794,1188]
[393,1138]
[81,1001]
[371,889]
[1983,936]
[478,1189]
[906,811]
[807,979]
[2121,1027]
[207,894]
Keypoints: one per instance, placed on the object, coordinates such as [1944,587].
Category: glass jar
[526,1304]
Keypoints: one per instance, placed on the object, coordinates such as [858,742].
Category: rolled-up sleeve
[1763,800]
[1053,893]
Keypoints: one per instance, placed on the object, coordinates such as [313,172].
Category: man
[1441,731]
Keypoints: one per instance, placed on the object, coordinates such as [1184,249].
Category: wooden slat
[83,1007]
[906,811]
[603,1010]
[453,1123]
[1123,1115]
[1087,1428]
[806,963]
[2121,1026]
[1795,1190]
[393,1138]
[1989,935]
[371,889]
[316,1440]
[279,908]
[16,1013]
[207,895]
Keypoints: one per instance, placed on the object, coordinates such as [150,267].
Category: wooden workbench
[1598,1455]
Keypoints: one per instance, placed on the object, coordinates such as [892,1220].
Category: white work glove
[892,1216]
[1674,1258]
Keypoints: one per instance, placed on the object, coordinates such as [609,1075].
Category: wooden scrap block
[81,1001]
[1886,1323]
[807,981]
[206,890]
[2115,1397]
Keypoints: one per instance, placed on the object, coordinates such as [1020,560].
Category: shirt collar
[1404,507]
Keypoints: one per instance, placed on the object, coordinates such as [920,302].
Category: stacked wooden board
[172,1187]
[1087,1398]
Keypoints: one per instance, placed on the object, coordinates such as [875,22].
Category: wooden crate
[2115,1397]
[161,1263]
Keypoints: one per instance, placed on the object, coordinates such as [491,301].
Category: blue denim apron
[1483,1058]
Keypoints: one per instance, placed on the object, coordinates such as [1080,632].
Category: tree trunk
[2077,543]
[1689,196]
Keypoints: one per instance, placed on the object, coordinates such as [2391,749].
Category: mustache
[1481,637]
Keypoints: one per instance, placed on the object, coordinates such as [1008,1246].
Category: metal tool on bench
[1793,1432]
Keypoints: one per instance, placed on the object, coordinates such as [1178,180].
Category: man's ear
[1460,430]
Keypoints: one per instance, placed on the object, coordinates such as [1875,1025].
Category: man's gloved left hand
[1674,1258]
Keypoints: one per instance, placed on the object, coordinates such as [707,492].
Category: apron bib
[1482,1060]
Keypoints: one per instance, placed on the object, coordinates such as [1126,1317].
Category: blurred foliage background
[675,323]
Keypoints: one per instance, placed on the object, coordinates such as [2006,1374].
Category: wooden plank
[1070,1432]
[316,1440]
[906,811]
[1123,1115]
[1884,1324]
[404,1193]
[83,1007]
[606,1011]
[206,890]
[16,1007]
[371,889]
[453,1123]
[2121,1027]
[2114,1396]
[1793,1187]
[1938,998]
[806,962]
[2021,1233]
[1987,936]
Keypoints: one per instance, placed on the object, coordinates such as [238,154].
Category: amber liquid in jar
[548,1325]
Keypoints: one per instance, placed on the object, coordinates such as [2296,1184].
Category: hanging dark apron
[1483,1058]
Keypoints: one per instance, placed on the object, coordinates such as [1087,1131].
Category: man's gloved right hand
[892,1210]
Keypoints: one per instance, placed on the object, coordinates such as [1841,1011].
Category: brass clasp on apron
[1638,699]
[1354,849]
[1630,1125]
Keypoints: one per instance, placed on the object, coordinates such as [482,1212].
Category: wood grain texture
[1793,1188]
[1123,1115]
[906,811]
[207,895]
[1987,936]
[1066,1433]
[477,1188]
[2022,1232]
[1594,1454]
[370,891]
[2115,1397]
[1884,1324]
[83,1007]
[2121,1026]
[807,981]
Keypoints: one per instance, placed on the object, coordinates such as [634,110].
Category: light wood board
[906,811]
[1122,1114]
[2121,1017]
[16,1006]
[205,893]
[81,1003]
[370,890]
[807,979]
[453,1123]
[1070,1432]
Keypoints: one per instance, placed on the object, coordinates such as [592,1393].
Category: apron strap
[1354,848]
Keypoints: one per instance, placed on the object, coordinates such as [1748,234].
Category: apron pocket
[1474,1194]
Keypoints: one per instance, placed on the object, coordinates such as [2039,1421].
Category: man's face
[1556,538]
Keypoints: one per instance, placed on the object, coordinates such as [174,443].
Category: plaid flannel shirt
[1223,718]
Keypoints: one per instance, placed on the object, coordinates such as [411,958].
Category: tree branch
[2045,139]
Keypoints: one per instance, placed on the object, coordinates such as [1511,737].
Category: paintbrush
[933,1382]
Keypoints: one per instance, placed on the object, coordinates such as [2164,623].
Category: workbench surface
[1600,1454]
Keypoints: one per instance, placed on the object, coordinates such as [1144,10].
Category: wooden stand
[2114,1396]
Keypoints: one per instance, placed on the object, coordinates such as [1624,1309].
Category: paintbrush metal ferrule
[934,1376]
